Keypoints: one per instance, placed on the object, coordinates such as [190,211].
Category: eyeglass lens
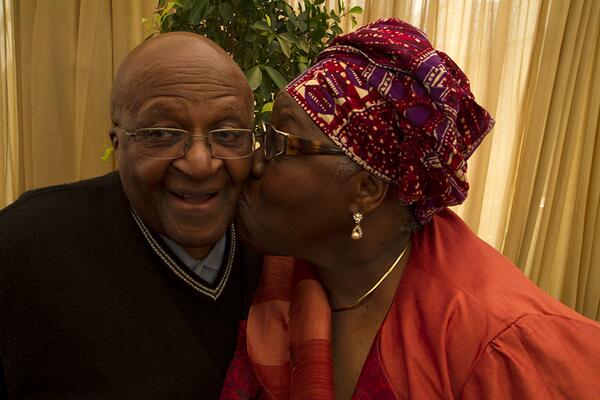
[169,144]
[274,143]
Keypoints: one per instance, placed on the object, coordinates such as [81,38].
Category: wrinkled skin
[181,80]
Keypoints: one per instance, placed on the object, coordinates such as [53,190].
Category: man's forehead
[172,42]
[173,53]
[184,82]
[179,63]
[171,105]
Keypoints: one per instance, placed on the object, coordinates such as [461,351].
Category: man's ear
[114,139]
[368,192]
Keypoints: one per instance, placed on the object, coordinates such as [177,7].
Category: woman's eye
[294,146]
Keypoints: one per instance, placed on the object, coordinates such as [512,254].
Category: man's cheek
[240,171]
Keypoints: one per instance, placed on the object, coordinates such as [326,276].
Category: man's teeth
[195,196]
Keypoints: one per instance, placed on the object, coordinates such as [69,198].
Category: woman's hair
[345,167]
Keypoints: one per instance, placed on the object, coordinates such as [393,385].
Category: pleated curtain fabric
[553,227]
[66,53]
[9,127]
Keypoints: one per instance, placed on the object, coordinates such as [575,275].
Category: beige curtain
[66,52]
[553,229]
[8,106]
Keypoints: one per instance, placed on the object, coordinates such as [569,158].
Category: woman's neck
[351,271]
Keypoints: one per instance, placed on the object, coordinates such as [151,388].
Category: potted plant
[270,40]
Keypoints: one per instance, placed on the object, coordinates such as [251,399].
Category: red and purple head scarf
[400,109]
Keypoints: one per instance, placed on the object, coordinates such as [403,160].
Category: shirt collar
[207,268]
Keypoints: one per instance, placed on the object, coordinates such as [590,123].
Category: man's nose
[197,162]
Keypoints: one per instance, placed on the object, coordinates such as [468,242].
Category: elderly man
[130,285]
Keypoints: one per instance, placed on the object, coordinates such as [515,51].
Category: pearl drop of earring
[357,232]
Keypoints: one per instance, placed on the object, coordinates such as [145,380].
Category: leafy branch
[270,40]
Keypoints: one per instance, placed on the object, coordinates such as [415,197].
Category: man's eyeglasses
[276,143]
[171,143]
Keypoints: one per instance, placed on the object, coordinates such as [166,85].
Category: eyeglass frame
[188,141]
[303,145]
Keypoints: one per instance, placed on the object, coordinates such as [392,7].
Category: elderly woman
[396,298]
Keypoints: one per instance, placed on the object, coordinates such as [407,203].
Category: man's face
[186,85]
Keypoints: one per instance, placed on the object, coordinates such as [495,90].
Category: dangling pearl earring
[357,232]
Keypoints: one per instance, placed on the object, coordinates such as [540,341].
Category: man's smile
[186,200]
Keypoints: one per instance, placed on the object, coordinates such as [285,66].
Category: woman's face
[298,201]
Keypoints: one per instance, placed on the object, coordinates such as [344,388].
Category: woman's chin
[249,236]
[254,232]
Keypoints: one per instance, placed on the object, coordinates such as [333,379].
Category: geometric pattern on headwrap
[400,109]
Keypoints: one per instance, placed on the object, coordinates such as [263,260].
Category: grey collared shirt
[208,268]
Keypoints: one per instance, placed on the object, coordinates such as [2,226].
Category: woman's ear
[368,192]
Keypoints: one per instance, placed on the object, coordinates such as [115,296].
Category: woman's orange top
[465,323]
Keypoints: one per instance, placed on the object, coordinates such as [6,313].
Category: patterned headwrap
[400,109]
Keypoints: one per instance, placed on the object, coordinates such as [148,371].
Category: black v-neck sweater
[88,310]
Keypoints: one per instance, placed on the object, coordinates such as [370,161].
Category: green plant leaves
[279,80]
[355,10]
[290,38]
[226,10]
[267,107]
[271,40]
[254,77]
[285,47]
[304,46]
[260,26]
[198,11]
[250,37]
